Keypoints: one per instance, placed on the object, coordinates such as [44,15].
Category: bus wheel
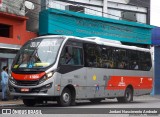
[65,98]
[29,102]
[128,96]
[95,100]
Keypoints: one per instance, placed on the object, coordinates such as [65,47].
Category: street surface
[87,108]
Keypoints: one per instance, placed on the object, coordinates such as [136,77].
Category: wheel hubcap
[66,97]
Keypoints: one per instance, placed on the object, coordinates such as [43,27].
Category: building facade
[33,16]
[63,22]
[13,33]
[132,10]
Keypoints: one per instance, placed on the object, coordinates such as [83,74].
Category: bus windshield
[38,53]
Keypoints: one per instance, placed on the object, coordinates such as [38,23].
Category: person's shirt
[4,77]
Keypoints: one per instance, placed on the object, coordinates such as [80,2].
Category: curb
[10,105]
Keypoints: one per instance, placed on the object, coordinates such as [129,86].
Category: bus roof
[115,43]
[100,41]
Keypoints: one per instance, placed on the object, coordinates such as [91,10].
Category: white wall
[89,2]
[126,7]
[119,1]
[97,11]
[117,9]
[12,6]
[114,14]
[155,13]
[114,7]
[142,18]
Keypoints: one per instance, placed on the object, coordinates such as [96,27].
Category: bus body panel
[97,79]
[76,78]
[89,82]
[97,84]
[101,82]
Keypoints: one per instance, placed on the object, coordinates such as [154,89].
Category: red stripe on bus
[29,77]
[121,82]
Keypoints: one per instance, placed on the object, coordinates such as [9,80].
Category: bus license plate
[24,90]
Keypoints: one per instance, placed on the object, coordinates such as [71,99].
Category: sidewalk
[20,102]
[11,102]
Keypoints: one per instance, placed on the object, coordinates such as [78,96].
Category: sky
[155,13]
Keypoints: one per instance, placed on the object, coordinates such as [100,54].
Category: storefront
[63,22]
[13,35]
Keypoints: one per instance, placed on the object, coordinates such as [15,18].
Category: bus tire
[29,102]
[95,100]
[128,96]
[65,98]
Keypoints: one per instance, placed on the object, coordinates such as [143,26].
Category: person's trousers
[4,91]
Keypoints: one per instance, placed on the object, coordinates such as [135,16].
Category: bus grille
[27,83]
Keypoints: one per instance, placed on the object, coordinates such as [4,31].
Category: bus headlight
[50,74]
[46,77]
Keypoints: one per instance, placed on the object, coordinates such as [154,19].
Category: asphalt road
[108,107]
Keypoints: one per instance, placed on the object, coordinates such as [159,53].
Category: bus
[67,68]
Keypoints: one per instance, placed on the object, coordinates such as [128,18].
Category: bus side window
[92,55]
[133,60]
[145,60]
[78,56]
[66,56]
[72,54]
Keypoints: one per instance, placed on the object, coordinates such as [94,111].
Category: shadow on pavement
[79,104]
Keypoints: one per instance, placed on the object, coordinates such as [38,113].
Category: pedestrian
[4,83]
